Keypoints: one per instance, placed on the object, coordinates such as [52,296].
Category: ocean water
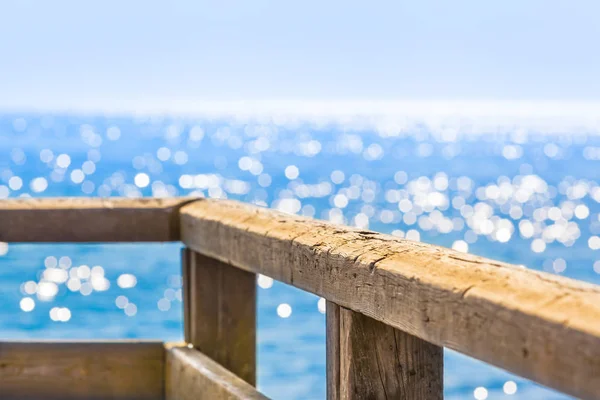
[511,194]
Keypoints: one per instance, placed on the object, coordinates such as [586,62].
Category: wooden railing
[392,304]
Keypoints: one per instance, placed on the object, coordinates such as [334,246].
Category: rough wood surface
[90,220]
[82,370]
[191,375]
[540,326]
[223,314]
[375,361]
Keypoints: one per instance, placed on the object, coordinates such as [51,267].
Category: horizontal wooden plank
[90,219]
[122,370]
[191,375]
[540,326]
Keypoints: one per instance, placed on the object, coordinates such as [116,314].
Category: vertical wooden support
[222,314]
[186,255]
[370,360]
[332,315]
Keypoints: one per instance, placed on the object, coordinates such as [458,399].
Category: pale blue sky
[73,52]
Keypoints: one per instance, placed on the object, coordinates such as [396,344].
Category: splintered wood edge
[191,375]
[53,370]
[540,326]
[78,219]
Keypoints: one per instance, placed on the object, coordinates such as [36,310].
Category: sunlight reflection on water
[518,196]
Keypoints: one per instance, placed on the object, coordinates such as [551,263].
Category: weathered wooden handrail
[77,219]
[191,375]
[537,325]
[61,370]
[540,326]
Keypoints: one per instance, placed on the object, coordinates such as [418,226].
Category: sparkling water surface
[511,194]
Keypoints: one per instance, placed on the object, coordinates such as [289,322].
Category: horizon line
[390,116]
[407,107]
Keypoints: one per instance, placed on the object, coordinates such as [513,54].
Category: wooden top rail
[540,326]
[90,220]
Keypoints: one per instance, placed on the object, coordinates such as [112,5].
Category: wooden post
[367,359]
[186,255]
[222,314]
[332,344]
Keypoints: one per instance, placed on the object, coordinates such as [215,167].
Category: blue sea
[512,194]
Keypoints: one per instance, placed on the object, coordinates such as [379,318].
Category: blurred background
[472,125]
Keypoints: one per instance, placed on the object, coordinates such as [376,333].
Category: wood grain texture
[223,314]
[191,375]
[90,220]
[375,361]
[540,326]
[121,370]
